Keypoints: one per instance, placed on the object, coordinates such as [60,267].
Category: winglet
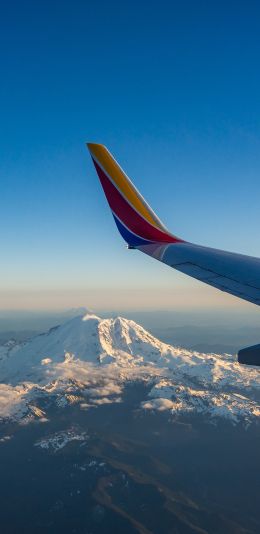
[136,221]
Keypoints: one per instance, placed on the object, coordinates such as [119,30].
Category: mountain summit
[88,353]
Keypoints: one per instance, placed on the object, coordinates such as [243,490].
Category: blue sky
[172,89]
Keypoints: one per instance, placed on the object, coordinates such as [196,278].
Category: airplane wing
[233,273]
[140,227]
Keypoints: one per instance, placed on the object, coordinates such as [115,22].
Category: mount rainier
[89,360]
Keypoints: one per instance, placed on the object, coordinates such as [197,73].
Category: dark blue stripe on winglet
[132,239]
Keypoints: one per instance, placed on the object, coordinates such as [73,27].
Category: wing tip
[91,146]
[125,201]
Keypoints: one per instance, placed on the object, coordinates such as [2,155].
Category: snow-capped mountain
[89,360]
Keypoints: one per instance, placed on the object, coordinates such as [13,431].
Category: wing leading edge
[236,274]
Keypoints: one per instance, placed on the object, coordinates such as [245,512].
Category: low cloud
[106,400]
[103,391]
[161,405]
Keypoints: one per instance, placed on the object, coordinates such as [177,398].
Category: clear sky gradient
[172,89]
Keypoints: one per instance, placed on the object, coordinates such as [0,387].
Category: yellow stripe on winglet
[103,156]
